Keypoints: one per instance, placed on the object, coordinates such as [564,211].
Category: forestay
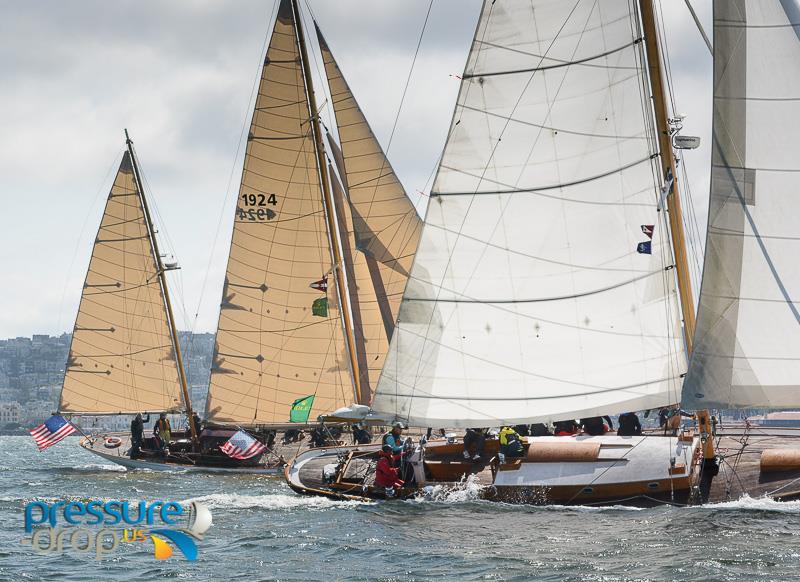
[747,344]
[121,359]
[271,347]
[528,300]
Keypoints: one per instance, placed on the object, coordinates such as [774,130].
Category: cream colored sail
[121,359]
[369,313]
[528,300]
[386,225]
[270,348]
[747,343]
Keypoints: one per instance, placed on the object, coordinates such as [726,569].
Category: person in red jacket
[386,474]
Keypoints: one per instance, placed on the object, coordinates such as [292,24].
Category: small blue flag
[644,248]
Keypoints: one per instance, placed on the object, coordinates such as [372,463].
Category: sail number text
[259,201]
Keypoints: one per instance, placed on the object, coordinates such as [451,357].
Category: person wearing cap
[393,438]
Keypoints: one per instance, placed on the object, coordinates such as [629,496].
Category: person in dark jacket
[387,475]
[540,429]
[394,439]
[629,424]
[474,443]
[361,436]
[594,425]
[137,434]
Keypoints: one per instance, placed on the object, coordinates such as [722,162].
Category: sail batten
[747,345]
[279,335]
[121,360]
[543,286]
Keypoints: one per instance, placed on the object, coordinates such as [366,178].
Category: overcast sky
[179,75]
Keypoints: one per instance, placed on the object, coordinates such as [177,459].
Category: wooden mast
[338,271]
[668,164]
[673,202]
[176,344]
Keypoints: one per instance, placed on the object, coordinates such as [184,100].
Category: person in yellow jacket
[163,431]
[511,443]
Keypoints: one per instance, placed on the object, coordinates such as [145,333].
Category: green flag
[301,408]
[320,307]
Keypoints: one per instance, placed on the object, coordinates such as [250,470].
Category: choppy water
[263,531]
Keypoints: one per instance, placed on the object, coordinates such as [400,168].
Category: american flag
[242,446]
[53,431]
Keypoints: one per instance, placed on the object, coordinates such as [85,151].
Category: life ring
[112,442]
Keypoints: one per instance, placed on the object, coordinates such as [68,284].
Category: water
[263,531]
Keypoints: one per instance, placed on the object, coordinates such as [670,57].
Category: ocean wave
[748,503]
[276,502]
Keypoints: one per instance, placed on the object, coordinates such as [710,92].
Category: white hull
[617,469]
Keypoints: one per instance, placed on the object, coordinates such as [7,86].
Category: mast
[176,344]
[668,165]
[338,271]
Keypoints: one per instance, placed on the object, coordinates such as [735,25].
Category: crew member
[511,443]
[565,428]
[360,435]
[163,431]
[386,474]
[594,425]
[137,434]
[393,438]
[629,424]
[474,443]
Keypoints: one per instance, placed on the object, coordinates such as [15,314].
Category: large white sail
[747,343]
[121,359]
[275,340]
[528,300]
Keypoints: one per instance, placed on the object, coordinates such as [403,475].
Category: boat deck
[740,470]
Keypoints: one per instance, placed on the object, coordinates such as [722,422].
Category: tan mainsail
[121,359]
[387,227]
[271,349]
[369,314]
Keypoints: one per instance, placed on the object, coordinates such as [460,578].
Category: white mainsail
[747,343]
[528,300]
[122,359]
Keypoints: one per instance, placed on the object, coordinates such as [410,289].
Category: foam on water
[274,502]
[748,503]
[465,491]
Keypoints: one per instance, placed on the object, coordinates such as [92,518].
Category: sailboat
[314,279]
[317,267]
[551,280]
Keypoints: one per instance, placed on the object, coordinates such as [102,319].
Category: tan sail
[370,315]
[121,359]
[271,349]
[386,225]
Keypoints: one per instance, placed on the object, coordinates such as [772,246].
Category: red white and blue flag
[53,431]
[242,446]
[321,285]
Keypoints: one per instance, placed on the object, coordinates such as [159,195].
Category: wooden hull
[584,470]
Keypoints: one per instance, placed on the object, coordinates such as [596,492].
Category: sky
[179,75]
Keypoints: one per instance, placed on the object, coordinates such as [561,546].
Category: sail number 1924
[257,204]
